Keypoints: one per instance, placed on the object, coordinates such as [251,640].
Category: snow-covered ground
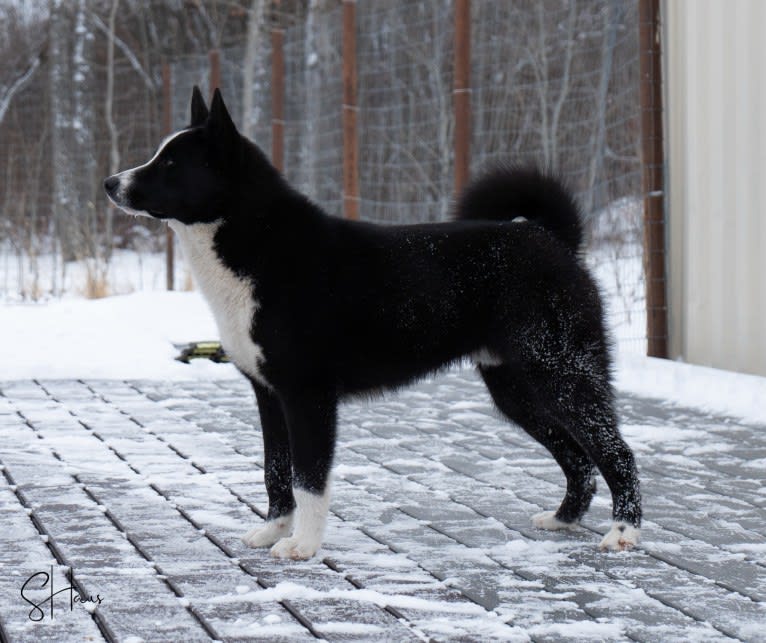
[144,488]
[126,336]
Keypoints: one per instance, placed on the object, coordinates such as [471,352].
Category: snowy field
[141,473]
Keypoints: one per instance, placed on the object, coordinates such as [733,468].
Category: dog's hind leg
[591,419]
[277,472]
[516,399]
[311,422]
[573,416]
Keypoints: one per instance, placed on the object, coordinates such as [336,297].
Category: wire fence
[406,121]
[554,83]
[313,103]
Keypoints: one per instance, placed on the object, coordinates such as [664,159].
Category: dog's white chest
[230,297]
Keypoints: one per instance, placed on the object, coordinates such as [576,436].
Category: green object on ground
[201,350]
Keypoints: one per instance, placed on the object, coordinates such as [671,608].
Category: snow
[293,591]
[582,630]
[123,337]
[701,387]
[45,277]
[272,619]
[453,553]
[615,259]
[360,629]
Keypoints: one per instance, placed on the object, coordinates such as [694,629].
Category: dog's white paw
[295,549]
[621,537]
[266,535]
[548,520]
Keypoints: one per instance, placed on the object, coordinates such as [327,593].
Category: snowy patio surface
[144,488]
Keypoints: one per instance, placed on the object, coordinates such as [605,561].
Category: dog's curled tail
[505,193]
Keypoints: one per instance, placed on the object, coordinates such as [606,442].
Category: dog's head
[193,174]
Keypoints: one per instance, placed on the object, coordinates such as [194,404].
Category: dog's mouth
[134,212]
[131,211]
[116,193]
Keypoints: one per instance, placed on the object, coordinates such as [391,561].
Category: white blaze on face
[127,177]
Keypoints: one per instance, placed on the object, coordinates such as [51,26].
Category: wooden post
[167,125]
[461,92]
[214,58]
[652,165]
[278,99]
[350,109]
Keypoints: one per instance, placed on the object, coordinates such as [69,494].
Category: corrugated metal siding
[715,70]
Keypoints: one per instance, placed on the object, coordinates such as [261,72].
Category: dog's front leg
[277,472]
[311,420]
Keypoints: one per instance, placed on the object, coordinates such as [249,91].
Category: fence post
[214,58]
[278,98]
[350,109]
[652,169]
[167,125]
[461,92]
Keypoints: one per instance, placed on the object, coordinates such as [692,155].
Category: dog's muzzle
[111,184]
[116,187]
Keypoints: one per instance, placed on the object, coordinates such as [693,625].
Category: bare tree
[611,21]
[60,29]
[253,46]
[24,49]
[17,84]
[321,57]
[565,84]
[114,140]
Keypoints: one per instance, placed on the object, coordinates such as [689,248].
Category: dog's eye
[168,163]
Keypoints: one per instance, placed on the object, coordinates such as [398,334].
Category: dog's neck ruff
[230,297]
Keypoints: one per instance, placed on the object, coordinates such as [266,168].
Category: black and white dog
[313,309]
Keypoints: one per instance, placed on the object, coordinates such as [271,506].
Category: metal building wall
[715,71]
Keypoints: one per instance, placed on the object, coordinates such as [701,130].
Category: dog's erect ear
[198,108]
[220,123]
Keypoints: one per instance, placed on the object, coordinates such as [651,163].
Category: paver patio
[143,489]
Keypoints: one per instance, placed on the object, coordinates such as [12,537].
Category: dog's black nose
[110,184]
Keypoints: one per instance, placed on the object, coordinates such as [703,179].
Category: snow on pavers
[144,488]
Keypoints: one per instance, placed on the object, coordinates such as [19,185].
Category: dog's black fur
[348,308]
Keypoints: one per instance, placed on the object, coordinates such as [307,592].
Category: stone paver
[142,489]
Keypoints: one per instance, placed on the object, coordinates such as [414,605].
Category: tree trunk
[114,146]
[612,18]
[252,49]
[61,29]
[316,51]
